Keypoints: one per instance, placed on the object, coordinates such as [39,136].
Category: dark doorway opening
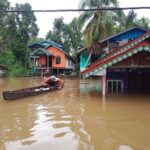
[50,61]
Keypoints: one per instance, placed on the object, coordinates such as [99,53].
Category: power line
[76,10]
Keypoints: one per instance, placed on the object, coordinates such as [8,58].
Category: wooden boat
[21,93]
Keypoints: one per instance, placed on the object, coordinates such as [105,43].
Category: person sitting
[53,81]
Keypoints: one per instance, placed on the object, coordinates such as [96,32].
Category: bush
[14,68]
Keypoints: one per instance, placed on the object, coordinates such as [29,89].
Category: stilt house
[123,60]
[50,56]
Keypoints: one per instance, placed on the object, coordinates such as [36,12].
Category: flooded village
[85,86]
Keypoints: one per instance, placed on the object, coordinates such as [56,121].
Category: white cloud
[137,3]
[44,20]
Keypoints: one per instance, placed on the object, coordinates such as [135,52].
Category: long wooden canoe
[21,93]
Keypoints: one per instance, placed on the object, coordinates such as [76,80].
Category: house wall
[114,75]
[42,60]
[83,60]
[139,79]
[56,52]
[133,71]
[141,59]
[124,38]
[136,79]
[70,64]
[130,35]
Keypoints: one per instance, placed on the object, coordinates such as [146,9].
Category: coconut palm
[99,24]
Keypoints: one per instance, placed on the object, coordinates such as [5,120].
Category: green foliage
[69,35]
[98,25]
[131,20]
[8,59]
[16,29]
[35,40]
[21,27]
[143,22]
[4,5]
[16,70]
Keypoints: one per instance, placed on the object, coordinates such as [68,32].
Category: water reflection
[123,147]
[75,118]
[14,125]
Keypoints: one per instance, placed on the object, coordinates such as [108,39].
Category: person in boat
[53,81]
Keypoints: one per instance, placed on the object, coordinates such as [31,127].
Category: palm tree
[143,22]
[97,25]
[131,20]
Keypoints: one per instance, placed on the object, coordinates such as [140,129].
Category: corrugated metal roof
[127,30]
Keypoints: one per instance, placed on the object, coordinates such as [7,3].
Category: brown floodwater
[74,118]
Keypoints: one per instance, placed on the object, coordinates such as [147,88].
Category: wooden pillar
[42,73]
[51,71]
[104,85]
[104,103]
[34,62]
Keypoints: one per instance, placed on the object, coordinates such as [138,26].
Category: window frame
[58,60]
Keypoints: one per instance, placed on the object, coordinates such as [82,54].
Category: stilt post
[104,85]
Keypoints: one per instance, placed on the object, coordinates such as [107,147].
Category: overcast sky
[45,20]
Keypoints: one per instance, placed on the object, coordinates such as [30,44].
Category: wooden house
[123,61]
[50,56]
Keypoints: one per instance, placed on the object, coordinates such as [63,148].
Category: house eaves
[36,44]
[41,51]
[127,30]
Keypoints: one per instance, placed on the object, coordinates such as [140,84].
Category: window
[57,59]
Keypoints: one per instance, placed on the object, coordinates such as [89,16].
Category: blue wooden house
[123,61]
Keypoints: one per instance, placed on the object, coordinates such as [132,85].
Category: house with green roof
[51,57]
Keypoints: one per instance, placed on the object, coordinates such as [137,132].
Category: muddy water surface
[74,118]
